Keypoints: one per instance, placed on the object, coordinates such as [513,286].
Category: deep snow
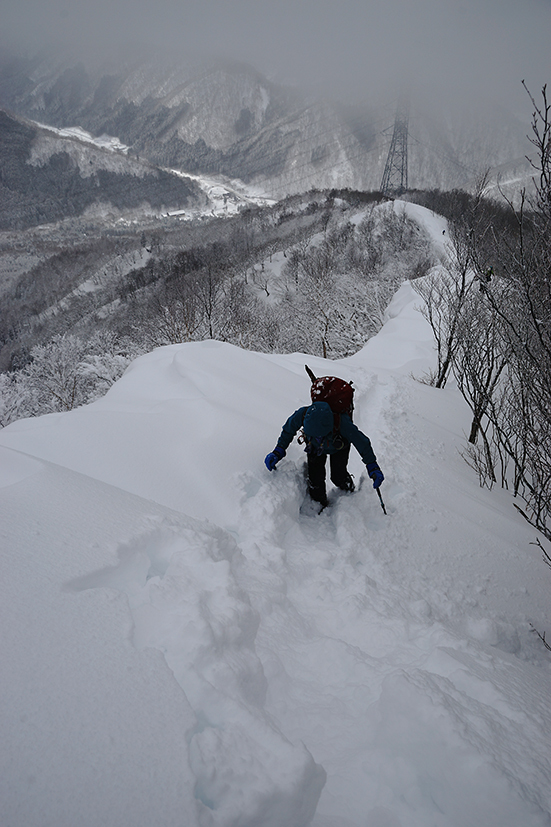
[181,647]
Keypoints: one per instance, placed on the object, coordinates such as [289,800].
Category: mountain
[181,646]
[227,119]
[46,177]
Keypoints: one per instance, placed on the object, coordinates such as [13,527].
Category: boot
[318,495]
[347,484]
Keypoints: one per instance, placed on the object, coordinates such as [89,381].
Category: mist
[354,50]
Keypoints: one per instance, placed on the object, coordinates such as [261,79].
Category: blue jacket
[331,443]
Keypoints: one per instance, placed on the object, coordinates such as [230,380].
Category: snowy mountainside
[51,174]
[185,647]
[227,119]
[48,177]
[222,197]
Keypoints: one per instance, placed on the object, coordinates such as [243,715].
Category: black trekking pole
[381,499]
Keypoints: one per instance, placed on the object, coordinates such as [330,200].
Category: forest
[312,274]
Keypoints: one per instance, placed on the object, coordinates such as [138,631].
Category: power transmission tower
[395,176]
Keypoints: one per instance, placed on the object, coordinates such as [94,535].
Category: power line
[349,159]
[443,155]
[265,169]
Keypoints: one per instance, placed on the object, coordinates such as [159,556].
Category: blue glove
[375,473]
[272,459]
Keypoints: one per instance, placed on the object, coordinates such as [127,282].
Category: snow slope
[181,646]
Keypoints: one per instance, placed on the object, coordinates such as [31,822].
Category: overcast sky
[355,46]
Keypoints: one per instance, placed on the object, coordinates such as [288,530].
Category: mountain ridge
[226,118]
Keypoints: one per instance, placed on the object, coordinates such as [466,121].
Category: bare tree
[447,291]
[498,338]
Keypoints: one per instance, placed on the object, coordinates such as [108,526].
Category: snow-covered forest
[314,274]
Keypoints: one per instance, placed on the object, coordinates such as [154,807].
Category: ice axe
[381,500]
[378,490]
[310,373]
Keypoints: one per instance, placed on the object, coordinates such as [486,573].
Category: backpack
[338,394]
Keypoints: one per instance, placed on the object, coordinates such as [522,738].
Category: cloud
[348,47]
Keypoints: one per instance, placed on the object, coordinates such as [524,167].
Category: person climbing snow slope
[327,431]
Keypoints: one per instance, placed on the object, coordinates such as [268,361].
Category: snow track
[394,701]
[186,601]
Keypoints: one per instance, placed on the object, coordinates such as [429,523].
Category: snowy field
[181,647]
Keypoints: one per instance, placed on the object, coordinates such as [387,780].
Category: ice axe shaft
[381,500]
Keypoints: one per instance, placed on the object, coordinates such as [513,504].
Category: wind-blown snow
[181,647]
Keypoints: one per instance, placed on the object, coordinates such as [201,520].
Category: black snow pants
[338,469]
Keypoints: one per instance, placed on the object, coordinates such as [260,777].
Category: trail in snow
[185,647]
[400,707]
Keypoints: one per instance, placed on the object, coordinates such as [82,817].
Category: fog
[355,49]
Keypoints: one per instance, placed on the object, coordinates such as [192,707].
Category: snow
[77,133]
[224,196]
[181,646]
